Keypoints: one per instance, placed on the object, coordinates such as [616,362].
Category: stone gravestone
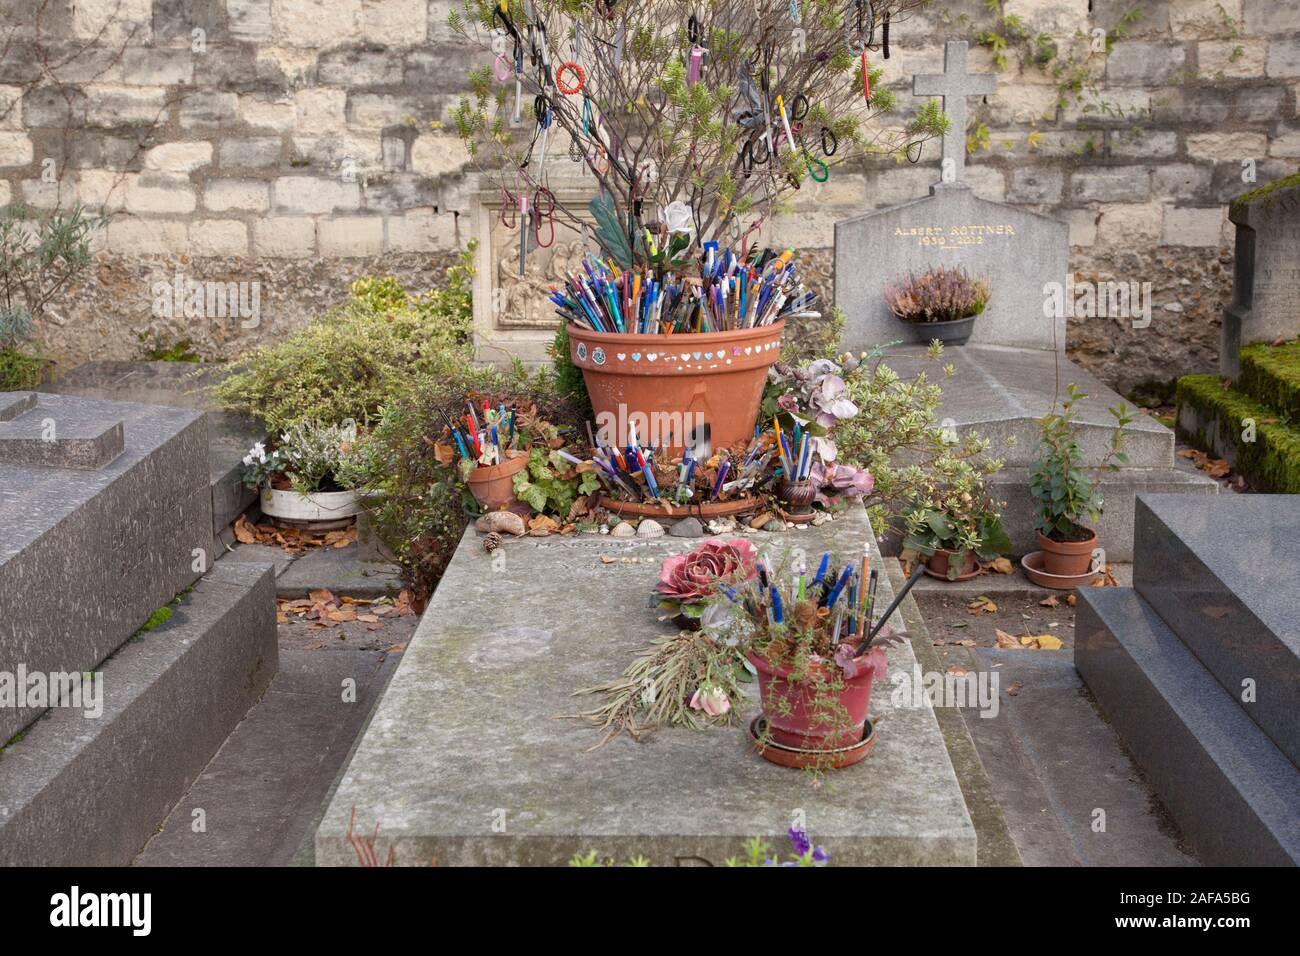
[1010,374]
[1018,252]
[1266,277]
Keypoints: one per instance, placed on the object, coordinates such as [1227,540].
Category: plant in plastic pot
[940,304]
[1067,495]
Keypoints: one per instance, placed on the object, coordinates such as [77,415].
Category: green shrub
[359,357]
[21,369]
[418,505]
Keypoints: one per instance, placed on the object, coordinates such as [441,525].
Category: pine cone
[491,541]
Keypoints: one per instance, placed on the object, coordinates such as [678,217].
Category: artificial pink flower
[711,699]
[695,576]
[873,660]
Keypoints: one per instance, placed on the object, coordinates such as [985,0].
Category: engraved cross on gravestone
[953,86]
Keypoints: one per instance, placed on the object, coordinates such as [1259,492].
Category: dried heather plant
[940,295]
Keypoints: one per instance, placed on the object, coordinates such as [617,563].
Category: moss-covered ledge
[1222,420]
[1270,374]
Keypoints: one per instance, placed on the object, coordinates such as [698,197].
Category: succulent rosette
[688,581]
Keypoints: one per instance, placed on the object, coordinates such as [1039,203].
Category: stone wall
[299,143]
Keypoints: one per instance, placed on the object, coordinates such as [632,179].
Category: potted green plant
[1067,495]
[954,531]
[306,479]
[940,304]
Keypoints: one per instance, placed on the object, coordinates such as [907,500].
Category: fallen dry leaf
[1041,642]
[1005,640]
[1070,599]
[321,596]
[1049,602]
[1014,689]
[981,605]
[958,671]
[244,532]
[1001,566]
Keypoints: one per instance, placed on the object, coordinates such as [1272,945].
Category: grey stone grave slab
[87,555]
[1265,302]
[1002,393]
[467,733]
[1235,796]
[1018,252]
[82,790]
[1223,575]
[182,385]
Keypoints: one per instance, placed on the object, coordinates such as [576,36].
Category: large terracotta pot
[676,382]
[493,486]
[1067,558]
[788,707]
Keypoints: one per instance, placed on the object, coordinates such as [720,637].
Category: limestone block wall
[297,144]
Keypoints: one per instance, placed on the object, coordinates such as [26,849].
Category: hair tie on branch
[544,209]
[569,89]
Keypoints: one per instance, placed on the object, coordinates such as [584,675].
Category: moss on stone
[1271,375]
[157,619]
[1255,195]
[1272,461]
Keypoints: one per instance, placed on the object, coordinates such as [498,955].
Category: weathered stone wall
[297,143]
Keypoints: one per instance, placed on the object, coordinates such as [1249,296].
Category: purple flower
[800,840]
[821,855]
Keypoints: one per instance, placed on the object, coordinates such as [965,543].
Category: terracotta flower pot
[789,706]
[1067,558]
[493,486]
[677,381]
[939,565]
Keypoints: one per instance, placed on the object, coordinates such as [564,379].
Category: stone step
[90,791]
[1003,392]
[1118,490]
[1222,575]
[87,555]
[181,385]
[1270,374]
[1223,421]
[1233,793]
[59,436]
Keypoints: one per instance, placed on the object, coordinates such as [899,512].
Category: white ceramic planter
[321,506]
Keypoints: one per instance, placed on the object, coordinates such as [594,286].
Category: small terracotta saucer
[1033,565]
[800,759]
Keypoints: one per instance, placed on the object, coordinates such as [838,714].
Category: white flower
[677,216]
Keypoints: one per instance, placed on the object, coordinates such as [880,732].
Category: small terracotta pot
[1067,558]
[938,565]
[677,381]
[493,485]
[796,725]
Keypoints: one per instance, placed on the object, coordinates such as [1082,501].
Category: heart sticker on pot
[620,356]
[651,356]
[748,349]
[697,356]
[707,355]
[636,356]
